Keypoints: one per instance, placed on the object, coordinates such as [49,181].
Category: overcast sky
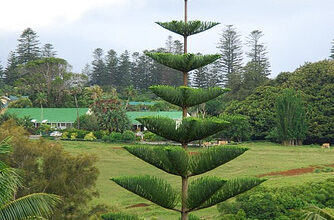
[295,31]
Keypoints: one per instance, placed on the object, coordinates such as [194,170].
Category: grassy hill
[263,158]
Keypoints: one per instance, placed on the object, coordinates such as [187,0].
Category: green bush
[90,137]
[99,134]
[65,135]
[129,136]
[74,136]
[87,122]
[149,136]
[115,136]
[106,138]
[280,203]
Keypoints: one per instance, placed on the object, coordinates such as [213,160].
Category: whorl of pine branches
[230,189]
[212,158]
[186,96]
[200,190]
[187,29]
[183,62]
[176,160]
[173,160]
[151,188]
[189,129]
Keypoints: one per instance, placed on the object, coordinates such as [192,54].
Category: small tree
[111,114]
[36,204]
[291,119]
[202,192]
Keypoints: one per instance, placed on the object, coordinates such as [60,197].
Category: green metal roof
[69,115]
[141,103]
[52,115]
[133,115]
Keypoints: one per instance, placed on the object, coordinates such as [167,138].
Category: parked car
[55,134]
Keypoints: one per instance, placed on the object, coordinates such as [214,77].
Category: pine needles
[189,28]
[183,62]
[186,96]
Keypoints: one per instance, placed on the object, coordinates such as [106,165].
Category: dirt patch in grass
[298,171]
[138,205]
[118,148]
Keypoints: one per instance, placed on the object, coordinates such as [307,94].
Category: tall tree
[124,70]
[47,75]
[142,71]
[230,47]
[111,65]
[258,52]
[28,48]
[332,51]
[205,191]
[11,71]
[41,99]
[291,119]
[48,51]
[99,72]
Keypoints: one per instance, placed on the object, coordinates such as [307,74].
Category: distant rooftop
[69,115]
[141,103]
[133,115]
[52,115]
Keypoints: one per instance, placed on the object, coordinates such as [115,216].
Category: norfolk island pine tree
[203,192]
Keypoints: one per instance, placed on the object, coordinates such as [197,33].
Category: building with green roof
[56,117]
[65,117]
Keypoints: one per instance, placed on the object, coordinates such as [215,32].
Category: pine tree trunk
[184,213]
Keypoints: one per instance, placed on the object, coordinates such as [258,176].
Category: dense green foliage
[239,128]
[291,118]
[117,216]
[46,167]
[280,203]
[314,81]
[37,205]
[21,103]
[111,114]
[88,122]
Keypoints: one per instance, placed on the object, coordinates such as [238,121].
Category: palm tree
[75,91]
[130,92]
[27,207]
[41,99]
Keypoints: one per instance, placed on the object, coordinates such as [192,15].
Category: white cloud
[19,14]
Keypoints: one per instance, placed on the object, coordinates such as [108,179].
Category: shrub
[128,136]
[48,168]
[87,122]
[99,134]
[74,136]
[65,135]
[149,136]
[115,136]
[90,137]
[281,203]
[106,138]
[21,103]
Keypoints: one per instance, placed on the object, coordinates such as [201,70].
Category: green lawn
[262,158]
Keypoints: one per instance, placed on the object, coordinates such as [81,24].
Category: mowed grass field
[261,158]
